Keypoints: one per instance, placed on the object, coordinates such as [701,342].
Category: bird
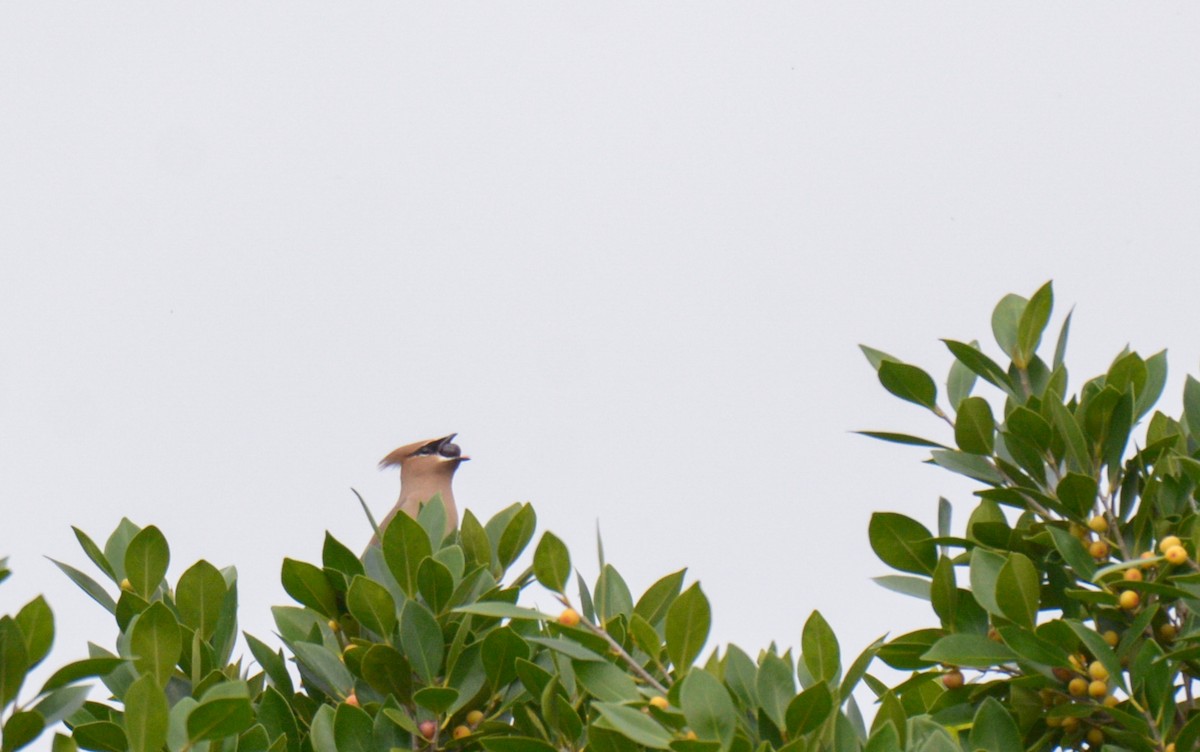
[426,470]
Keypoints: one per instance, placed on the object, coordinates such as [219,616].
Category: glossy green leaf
[1077,492]
[1006,318]
[36,622]
[1073,552]
[146,715]
[1191,405]
[655,602]
[809,709]
[775,685]
[85,669]
[1032,323]
[515,744]
[901,438]
[688,621]
[146,560]
[612,596]
[421,639]
[1017,590]
[435,584]
[216,719]
[971,465]
[500,610]
[819,644]
[971,650]
[974,359]
[308,585]
[272,663]
[552,563]
[994,729]
[325,667]
[909,383]
[634,725]
[101,736]
[475,543]
[902,543]
[199,597]
[502,648]
[876,357]
[605,682]
[88,585]
[516,536]
[960,382]
[1156,379]
[352,729]
[974,426]
[277,718]
[432,519]
[405,546]
[21,729]
[61,703]
[708,708]
[156,642]
[984,573]
[435,699]
[95,554]
[372,605]
[337,556]
[388,672]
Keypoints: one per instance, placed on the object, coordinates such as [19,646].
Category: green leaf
[146,715]
[1032,648]
[388,672]
[688,621]
[974,359]
[372,605]
[88,585]
[1060,348]
[308,585]
[606,682]
[156,642]
[901,438]
[474,538]
[1028,425]
[902,543]
[216,719]
[61,703]
[1100,650]
[516,536]
[552,562]
[435,699]
[95,554]
[1034,317]
[708,709]
[657,599]
[515,744]
[858,669]
[498,610]
[1077,492]
[352,729]
[612,595]
[146,561]
[1191,405]
[821,653]
[971,650]
[101,736]
[960,382]
[632,724]
[1066,425]
[994,729]
[1156,378]
[117,544]
[943,591]
[775,686]
[1006,318]
[432,519]
[985,572]
[501,649]
[569,648]
[435,584]
[405,546]
[876,357]
[974,426]
[37,627]
[336,556]
[85,669]
[1073,552]
[21,729]
[277,718]
[909,383]
[1017,590]
[809,709]
[199,596]
[326,667]
[272,662]
[971,465]
[421,639]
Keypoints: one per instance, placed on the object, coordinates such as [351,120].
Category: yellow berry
[952,679]
[1054,721]
[1170,747]
[1111,638]
[569,618]
[1111,701]
[1098,524]
[461,732]
[1098,689]
[1148,556]
[1171,541]
[659,702]
[1098,550]
[352,699]
[126,585]
[334,626]
[1133,575]
[1168,631]
[1078,687]
[1095,736]
[1070,724]
[1129,600]
[1176,555]
[690,735]
[474,718]
[1097,671]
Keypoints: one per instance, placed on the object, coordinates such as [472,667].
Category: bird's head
[436,456]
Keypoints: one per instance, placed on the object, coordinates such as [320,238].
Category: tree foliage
[1063,611]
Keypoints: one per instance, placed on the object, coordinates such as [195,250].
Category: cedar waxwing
[426,469]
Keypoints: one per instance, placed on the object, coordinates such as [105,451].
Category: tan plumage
[426,469]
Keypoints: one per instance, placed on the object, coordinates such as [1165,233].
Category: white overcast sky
[626,250]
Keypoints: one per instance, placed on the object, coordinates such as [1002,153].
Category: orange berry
[1070,724]
[1176,555]
[952,679]
[1129,600]
[1111,701]
[1095,736]
[428,729]
[1098,524]
[1170,747]
[1171,541]
[1098,550]
[1062,674]
[1148,556]
[1078,687]
[690,735]
[1098,689]
[1133,575]
[461,732]
[659,702]
[352,699]
[474,718]
[1097,671]
[1111,638]
[569,617]
[1168,631]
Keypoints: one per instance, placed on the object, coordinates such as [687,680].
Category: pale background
[626,250]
